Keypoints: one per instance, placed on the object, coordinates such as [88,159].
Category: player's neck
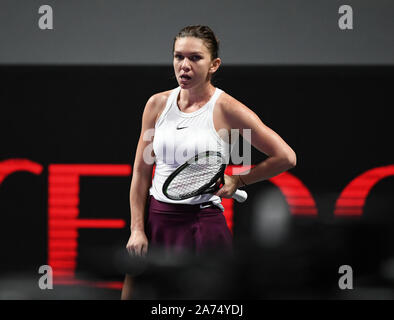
[196,95]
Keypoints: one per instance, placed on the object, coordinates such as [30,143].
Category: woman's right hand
[137,244]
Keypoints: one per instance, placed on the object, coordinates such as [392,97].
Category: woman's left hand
[231,184]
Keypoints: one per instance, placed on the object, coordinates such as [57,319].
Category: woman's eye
[193,58]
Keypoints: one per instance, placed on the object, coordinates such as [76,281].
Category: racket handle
[240,195]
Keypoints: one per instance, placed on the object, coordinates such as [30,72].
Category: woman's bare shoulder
[229,104]
[158,102]
[159,98]
[225,100]
[233,110]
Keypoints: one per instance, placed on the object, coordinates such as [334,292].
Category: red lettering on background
[63,204]
[10,166]
[63,212]
[297,195]
[352,199]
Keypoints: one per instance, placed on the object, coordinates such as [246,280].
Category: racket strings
[194,177]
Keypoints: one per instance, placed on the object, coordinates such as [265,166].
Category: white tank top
[180,136]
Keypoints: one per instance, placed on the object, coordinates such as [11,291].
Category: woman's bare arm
[142,177]
[281,156]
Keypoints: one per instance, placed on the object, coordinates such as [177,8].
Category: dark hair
[201,32]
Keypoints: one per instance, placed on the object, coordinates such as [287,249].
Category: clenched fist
[137,244]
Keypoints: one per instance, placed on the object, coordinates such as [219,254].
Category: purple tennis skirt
[180,227]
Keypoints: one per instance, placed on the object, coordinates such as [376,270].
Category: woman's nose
[185,64]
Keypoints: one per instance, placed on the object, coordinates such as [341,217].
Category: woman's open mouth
[185,77]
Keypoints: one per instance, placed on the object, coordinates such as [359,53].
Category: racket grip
[240,195]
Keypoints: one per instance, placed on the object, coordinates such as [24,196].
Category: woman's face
[192,62]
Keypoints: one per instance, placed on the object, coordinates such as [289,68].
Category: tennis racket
[199,175]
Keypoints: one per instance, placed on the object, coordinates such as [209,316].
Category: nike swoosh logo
[207,206]
[179,128]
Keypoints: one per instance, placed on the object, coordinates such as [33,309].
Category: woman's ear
[215,65]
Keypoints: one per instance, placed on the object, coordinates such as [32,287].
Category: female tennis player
[185,120]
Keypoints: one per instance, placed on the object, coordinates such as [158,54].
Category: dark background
[336,119]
